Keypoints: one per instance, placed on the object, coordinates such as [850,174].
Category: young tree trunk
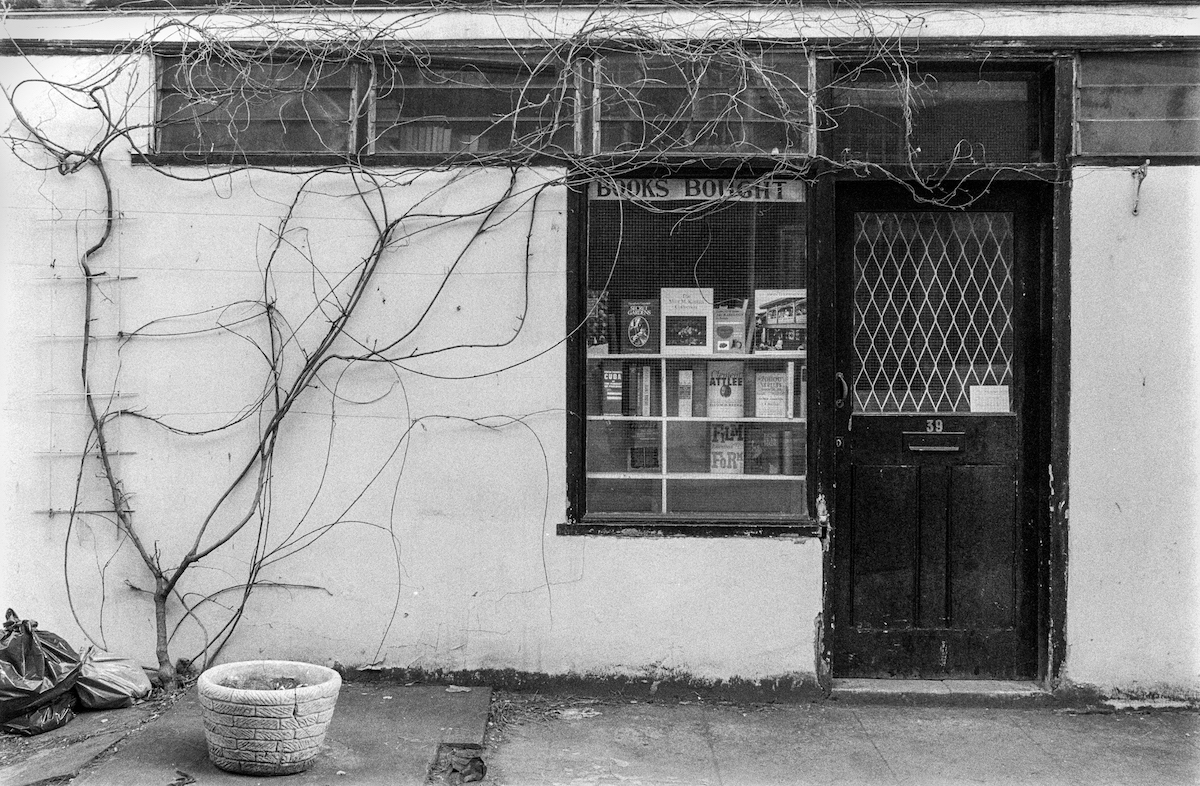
[166,670]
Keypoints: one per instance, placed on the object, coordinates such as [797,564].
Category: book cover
[771,394]
[687,314]
[613,402]
[685,393]
[727,448]
[802,411]
[639,326]
[726,389]
[597,322]
[729,329]
[645,392]
[780,320]
[643,446]
[763,450]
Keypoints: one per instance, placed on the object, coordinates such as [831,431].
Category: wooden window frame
[361,144]
[578,520]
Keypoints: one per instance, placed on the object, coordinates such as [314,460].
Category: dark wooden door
[935,403]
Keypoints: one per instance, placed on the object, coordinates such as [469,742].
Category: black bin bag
[37,669]
[58,712]
[107,682]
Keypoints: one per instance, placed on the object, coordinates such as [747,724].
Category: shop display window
[697,349]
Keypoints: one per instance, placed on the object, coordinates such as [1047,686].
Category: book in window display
[613,378]
[640,390]
[726,386]
[686,391]
[639,326]
[597,322]
[771,392]
[727,448]
[729,329]
[763,450]
[644,447]
[780,320]
[687,314]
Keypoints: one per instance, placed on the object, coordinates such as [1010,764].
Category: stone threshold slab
[941,691]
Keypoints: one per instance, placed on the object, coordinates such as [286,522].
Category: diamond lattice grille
[933,304]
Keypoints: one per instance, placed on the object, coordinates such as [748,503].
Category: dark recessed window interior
[966,116]
[471,106]
[710,102]
[295,106]
[697,357]
[477,104]
[1139,103]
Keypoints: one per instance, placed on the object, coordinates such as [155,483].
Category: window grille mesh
[933,309]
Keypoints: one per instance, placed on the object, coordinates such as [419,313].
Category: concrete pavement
[392,735]
[828,742]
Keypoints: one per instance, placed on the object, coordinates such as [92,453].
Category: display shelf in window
[711,425]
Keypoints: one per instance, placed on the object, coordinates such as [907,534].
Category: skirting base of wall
[674,686]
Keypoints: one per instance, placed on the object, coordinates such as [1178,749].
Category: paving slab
[796,745]
[1122,748]
[63,752]
[936,746]
[634,745]
[380,735]
[832,743]
[58,763]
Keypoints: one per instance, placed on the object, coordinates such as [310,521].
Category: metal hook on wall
[1139,174]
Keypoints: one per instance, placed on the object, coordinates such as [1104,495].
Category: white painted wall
[1133,586]
[450,559]
[444,552]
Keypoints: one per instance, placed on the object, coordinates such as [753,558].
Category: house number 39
[933,426]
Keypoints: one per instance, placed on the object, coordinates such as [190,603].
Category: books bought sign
[699,188]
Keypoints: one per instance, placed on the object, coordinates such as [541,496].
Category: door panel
[930,526]
[885,537]
[982,509]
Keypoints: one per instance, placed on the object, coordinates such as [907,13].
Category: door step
[935,692]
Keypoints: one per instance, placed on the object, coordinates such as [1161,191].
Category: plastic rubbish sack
[57,713]
[36,668]
[107,682]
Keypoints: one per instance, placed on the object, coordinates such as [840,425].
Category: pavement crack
[712,751]
[879,753]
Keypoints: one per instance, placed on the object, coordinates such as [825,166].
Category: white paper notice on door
[989,398]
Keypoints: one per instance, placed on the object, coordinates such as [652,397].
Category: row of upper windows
[517,105]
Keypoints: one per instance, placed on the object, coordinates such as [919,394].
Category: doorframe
[1050,448]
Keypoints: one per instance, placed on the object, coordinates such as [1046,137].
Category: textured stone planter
[267,717]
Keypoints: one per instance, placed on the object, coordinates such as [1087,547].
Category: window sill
[1130,159]
[698,529]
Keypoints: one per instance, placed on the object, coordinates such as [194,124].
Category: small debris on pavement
[457,689]
[575,713]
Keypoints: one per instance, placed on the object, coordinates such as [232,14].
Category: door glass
[933,306]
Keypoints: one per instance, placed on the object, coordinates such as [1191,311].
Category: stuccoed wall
[1133,587]
[443,494]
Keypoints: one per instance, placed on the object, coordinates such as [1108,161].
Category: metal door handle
[843,390]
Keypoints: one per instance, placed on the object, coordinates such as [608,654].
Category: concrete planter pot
[267,717]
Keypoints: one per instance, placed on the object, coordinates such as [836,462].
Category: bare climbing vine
[225,64]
